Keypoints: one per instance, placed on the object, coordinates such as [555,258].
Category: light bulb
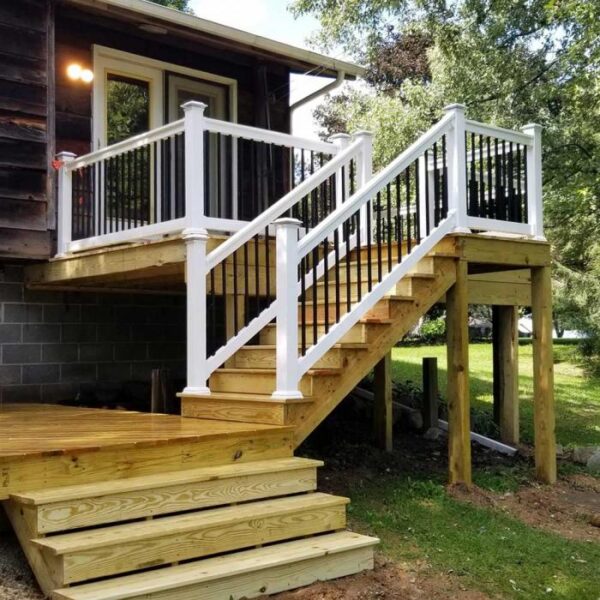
[74,71]
[87,76]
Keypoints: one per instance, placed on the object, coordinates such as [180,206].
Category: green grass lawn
[577,396]
[486,549]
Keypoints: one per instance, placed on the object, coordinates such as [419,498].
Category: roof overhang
[300,60]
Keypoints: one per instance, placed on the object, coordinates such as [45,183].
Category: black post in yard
[430,394]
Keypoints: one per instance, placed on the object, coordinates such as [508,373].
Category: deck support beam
[459,421]
[383,418]
[506,372]
[543,375]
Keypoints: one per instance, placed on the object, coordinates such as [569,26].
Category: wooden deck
[44,445]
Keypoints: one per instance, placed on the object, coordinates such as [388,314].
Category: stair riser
[243,411]
[258,358]
[403,288]
[253,383]
[265,581]
[380,311]
[132,556]
[64,516]
[361,333]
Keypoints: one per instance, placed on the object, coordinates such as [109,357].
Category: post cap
[532,127]
[339,136]
[287,222]
[455,106]
[194,105]
[194,233]
[66,156]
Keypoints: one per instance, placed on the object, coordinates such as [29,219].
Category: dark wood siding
[26,78]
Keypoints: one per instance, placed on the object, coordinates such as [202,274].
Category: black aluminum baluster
[482,210]
[213,306]
[504,183]
[437,196]
[346,233]
[268,262]
[408,215]
[256,275]
[303,263]
[428,223]
[389,224]
[315,262]
[525,187]
[498,182]
[325,284]
[224,294]
[356,218]
[489,213]
[397,219]
[369,208]
[246,285]
[511,185]
[236,324]
[379,252]
[519,203]
[473,191]
[417,204]
[336,247]
[444,178]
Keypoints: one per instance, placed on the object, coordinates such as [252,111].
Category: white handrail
[266,218]
[132,143]
[499,132]
[362,196]
[268,136]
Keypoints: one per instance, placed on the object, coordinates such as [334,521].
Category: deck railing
[195,172]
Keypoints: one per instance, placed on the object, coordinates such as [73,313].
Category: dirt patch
[16,579]
[567,508]
[389,581]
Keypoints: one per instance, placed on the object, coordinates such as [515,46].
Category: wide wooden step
[90,554]
[242,407]
[320,311]
[264,356]
[247,574]
[405,288]
[262,381]
[67,508]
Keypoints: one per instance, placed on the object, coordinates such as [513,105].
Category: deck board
[38,429]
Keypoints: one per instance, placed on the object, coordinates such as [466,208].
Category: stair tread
[363,321]
[105,488]
[210,569]
[353,281]
[342,345]
[354,299]
[248,397]
[317,371]
[171,525]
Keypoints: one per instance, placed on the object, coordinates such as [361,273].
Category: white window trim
[147,69]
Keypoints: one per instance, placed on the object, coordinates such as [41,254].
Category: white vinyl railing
[195,172]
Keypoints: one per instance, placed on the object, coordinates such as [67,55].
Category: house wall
[54,345]
[259,83]
[26,128]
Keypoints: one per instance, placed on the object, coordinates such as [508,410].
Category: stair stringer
[332,390]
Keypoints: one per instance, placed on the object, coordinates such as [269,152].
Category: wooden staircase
[222,532]
[242,390]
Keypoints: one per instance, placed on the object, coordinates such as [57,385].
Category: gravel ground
[16,579]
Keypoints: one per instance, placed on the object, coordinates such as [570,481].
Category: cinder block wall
[56,344]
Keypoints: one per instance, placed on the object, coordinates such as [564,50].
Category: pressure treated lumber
[543,375]
[121,548]
[383,420]
[459,441]
[71,507]
[246,574]
[506,372]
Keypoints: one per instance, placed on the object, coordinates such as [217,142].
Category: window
[127,107]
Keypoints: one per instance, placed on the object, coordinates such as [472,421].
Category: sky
[270,18]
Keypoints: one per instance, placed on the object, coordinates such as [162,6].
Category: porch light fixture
[76,72]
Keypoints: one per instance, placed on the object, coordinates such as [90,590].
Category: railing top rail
[314,237]
[268,136]
[260,223]
[509,135]
[131,143]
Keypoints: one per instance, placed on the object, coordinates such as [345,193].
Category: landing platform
[499,267]
[49,445]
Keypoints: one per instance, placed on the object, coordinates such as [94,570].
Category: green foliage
[511,62]
[433,330]
[182,5]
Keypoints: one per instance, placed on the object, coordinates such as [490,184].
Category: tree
[511,62]
[182,5]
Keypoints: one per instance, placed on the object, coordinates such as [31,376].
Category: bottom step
[239,575]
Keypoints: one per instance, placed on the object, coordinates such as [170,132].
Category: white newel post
[194,162]
[195,276]
[286,234]
[65,202]
[365,173]
[535,207]
[457,167]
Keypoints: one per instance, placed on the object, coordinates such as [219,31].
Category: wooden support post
[430,394]
[383,420]
[459,421]
[543,375]
[506,372]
